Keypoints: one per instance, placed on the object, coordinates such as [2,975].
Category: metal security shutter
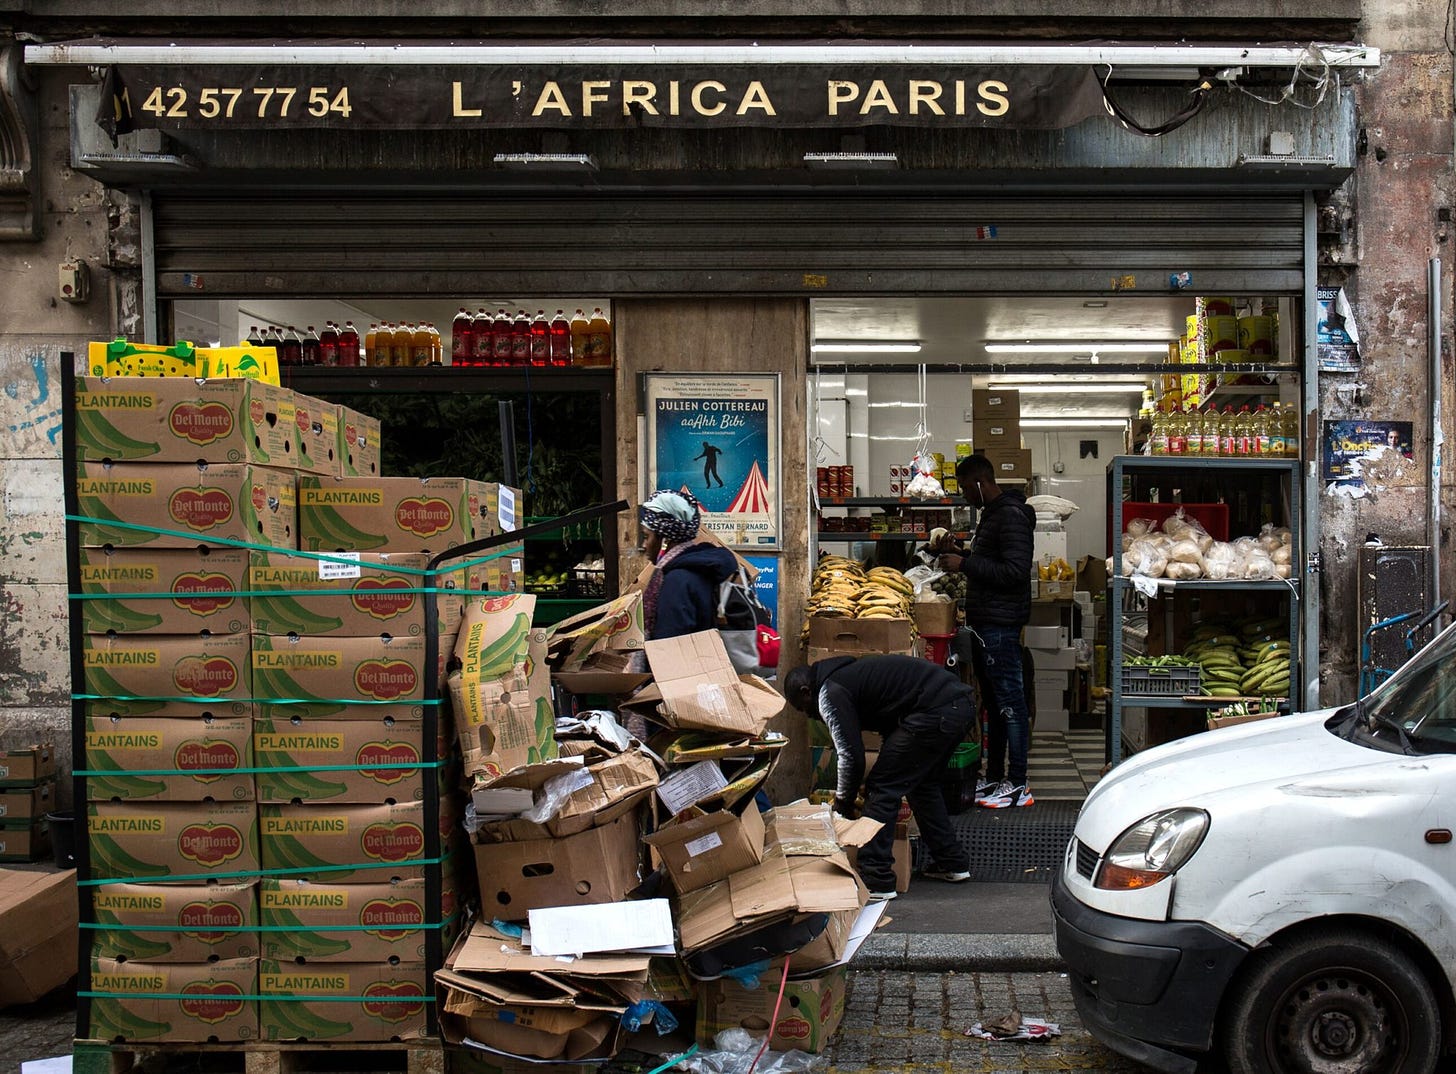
[638,243]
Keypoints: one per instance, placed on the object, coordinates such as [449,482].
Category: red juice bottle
[540,340]
[329,345]
[349,345]
[502,342]
[482,328]
[560,339]
[462,339]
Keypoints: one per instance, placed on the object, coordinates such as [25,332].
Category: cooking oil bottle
[1290,421]
[1158,439]
[1262,439]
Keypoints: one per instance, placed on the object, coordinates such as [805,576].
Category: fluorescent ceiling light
[851,160]
[866,346]
[1108,347]
[547,161]
[1073,423]
[1064,389]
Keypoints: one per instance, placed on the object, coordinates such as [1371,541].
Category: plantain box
[37,933]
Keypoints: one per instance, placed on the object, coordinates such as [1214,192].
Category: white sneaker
[883,896]
[1007,796]
[950,876]
[984,789]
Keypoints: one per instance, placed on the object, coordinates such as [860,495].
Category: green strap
[101,925]
[261,997]
[252,700]
[307,871]
[94,773]
[205,594]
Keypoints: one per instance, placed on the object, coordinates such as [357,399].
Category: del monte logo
[388,842]
[205,676]
[201,509]
[379,597]
[201,423]
[210,845]
[390,1002]
[202,919]
[386,754]
[386,680]
[216,592]
[212,1001]
[203,757]
[391,919]
[424,516]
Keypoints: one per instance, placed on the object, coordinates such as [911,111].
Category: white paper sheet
[613,926]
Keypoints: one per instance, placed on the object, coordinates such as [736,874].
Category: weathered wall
[36,327]
[732,335]
[1402,184]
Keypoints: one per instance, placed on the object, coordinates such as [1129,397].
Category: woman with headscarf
[682,595]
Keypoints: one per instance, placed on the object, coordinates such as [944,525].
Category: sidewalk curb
[930,952]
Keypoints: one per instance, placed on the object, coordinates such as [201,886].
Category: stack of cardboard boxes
[996,433]
[27,794]
[256,720]
[568,828]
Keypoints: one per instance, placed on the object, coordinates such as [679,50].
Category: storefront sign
[718,437]
[609,96]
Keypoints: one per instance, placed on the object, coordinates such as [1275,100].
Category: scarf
[654,585]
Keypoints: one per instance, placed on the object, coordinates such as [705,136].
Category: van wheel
[1342,1003]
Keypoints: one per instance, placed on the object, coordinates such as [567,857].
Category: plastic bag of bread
[1186,550]
[1138,527]
[1219,560]
[1257,564]
[1182,571]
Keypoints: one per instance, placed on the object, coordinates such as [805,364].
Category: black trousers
[911,764]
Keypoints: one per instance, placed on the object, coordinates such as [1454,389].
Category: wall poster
[1351,446]
[717,436]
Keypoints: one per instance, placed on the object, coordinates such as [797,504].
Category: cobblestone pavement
[916,1022]
[893,1021]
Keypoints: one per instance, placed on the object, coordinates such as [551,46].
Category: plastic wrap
[734,1052]
[1181,571]
[1257,564]
[1220,560]
[1186,550]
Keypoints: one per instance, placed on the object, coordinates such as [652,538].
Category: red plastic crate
[1213,517]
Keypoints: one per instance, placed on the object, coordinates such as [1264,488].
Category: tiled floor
[1063,765]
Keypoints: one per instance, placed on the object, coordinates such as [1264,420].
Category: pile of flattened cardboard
[633,879]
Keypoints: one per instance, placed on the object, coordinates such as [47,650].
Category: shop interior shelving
[1126,601]
[851,536]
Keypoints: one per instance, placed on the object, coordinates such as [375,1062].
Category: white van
[1281,892]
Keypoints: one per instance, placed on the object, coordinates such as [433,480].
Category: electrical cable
[773,1023]
[1200,98]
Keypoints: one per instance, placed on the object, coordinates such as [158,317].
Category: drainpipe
[1433,381]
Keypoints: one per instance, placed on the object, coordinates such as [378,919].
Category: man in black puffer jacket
[924,712]
[998,605]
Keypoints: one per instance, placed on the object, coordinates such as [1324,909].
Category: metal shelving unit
[1279,475]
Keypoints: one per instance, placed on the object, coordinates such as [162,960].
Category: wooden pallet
[258,1057]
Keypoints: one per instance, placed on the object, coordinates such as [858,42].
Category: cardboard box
[385,841]
[1049,680]
[501,695]
[595,866]
[27,766]
[135,1013]
[183,840]
[122,358]
[126,706]
[1215,722]
[359,444]
[707,848]
[502,508]
[127,755]
[193,503]
[1053,591]
[999,404]
[175,922]
[327,598]
[935,618]
[504,572]
[294,759]
[614,627]
[852,636]
[29,842]
[1092,574]
[1010,464]
[700,690]
[378,668]
[386,514]
[1053,659]
[359,922]
[211,669]
[588,796]
[317,432]
[205,584]
[533,1031]
[21,804]
[152,419]
[1049,699]
[813,656]
[1043,637]
[996,433]
[38,930]
[809,1015]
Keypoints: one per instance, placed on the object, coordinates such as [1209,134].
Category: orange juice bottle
[437,345]
[598,339]
[371,344]
[422,350]
[399,343]
[579,332]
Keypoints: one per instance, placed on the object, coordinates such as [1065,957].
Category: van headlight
[1154,848]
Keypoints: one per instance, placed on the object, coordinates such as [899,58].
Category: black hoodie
[688,600]
[998,566]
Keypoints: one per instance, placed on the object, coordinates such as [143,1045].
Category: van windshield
[1420,699]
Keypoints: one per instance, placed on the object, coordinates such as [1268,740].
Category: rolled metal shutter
[307,243]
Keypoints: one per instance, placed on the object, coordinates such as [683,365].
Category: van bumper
[1147,989]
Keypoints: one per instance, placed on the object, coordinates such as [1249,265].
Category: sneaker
[950,876]
[1006,796]
[984,789]
[883,896]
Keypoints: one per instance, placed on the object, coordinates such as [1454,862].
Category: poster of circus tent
[717,436]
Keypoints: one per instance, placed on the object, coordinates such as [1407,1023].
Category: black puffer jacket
[998,566]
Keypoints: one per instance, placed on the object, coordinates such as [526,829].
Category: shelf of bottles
[480,340]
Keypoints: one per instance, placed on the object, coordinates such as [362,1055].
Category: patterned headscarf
[675,515]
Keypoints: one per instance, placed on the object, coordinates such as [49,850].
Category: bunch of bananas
[886,594]
[1250,661]
[1057,570]
[835,587]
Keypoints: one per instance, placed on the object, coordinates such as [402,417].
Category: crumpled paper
[1012,1026]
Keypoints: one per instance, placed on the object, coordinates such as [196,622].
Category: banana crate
[1167,681]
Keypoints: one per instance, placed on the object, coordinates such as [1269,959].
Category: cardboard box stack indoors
[317,811]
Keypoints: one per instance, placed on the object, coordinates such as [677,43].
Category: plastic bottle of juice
[482,327]
[371,344]
[329,345]
[599,339]
[502,346]
[1177,432]
[404,333]
[255,338]
[1290,422]
[292,348]
[1158,439]
[422,348]
[462,339]
[394,344]
[349,345]
[521,339]
[384,344]
[540,339]
[578,338]
[310,346]
[559,332]
[437,345]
